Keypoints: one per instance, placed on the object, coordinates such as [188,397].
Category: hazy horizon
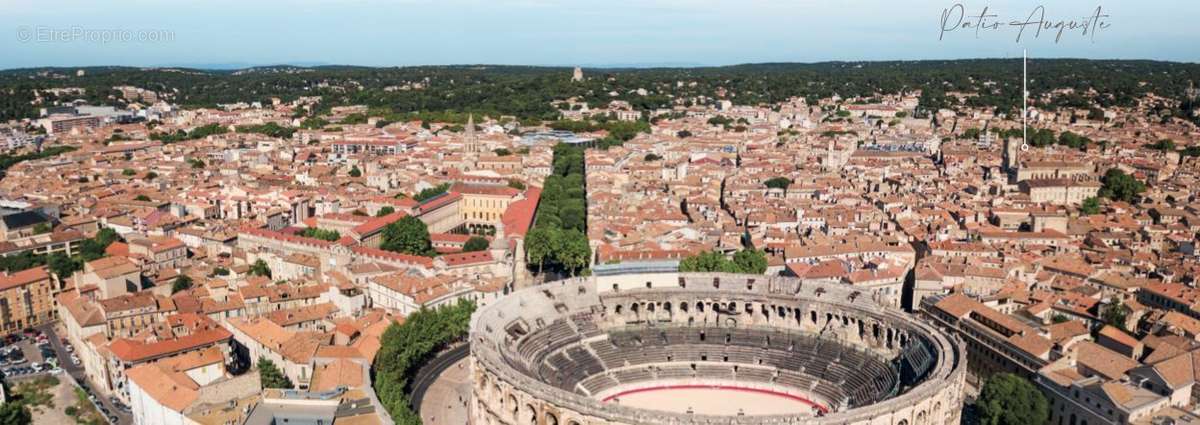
[216,67]
[591,33]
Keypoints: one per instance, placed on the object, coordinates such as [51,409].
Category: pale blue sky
[566,32]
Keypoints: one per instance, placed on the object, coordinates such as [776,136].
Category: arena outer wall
[504,394]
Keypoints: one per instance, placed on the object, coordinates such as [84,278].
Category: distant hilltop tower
[1192,92]
[578,75]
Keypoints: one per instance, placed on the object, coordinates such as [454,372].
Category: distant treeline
[7,160]
[529,92]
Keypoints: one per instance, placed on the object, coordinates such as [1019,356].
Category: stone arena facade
[556,354]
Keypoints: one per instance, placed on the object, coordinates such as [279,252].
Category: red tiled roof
[467,258]
[438,202]
[392,256]
[479,189]
[377,223]
[134,351]
[23,277]
[270,234]
[518,217]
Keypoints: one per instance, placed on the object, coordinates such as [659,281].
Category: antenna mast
[1025,97]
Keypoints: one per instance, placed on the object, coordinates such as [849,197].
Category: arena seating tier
[839,374]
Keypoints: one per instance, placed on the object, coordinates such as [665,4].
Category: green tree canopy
[314,123]
[1008,399]
[270,376]
[1090,206]
[540,244]
[1164,145]
[355,172]
[182,283]
[41,228]
[574,253]
[15,414]
[322,234]
[269,129]
[745,261]
[1115,314]
[429,193]
[778,183]
[476,243]
[408,235]
[405,348]
[260,268]
[1119,186]
[751,261]
[708,261]
[384,211]
[62,265]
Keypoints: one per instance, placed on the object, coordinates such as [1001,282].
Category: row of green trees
[748,261]
[406,348]
[196,133]
[429,193]
[559,237]
[269,129]
[7,161]
[567,249]
[322,234]
[528,93]
[59,263]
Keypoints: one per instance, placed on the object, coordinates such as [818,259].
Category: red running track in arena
[793,397]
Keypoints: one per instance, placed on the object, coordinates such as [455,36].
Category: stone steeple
[472,142]
[1011,155]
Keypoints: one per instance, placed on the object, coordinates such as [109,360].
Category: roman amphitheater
[666,348]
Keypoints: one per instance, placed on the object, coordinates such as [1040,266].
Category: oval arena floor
[713,400]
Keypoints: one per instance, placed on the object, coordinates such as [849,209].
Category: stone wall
[505,395]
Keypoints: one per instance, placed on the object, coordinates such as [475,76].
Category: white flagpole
[1025,97]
